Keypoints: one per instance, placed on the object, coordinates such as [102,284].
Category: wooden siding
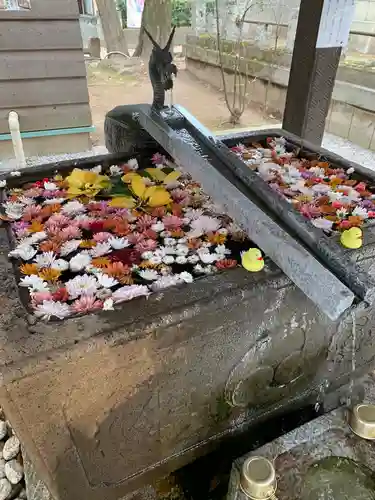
[42,68]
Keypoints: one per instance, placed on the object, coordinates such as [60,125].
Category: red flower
[97,226]
[61,295]
[337,204]
[361,186]
[226,263]
[126,256]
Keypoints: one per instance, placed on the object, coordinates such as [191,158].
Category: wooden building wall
[42,69]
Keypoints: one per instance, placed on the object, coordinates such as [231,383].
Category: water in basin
[338,478]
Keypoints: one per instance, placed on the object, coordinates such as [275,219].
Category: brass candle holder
[362,420]
[258,479]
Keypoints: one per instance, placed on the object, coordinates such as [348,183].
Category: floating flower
[208,258]
[39,297]
[132,164]
[108,305]
[3,183]
[360,212]
[29,269]
[145,245]
[100,249]
[82,285]
[13,210]
[106,281]
[102,237]
[35,227]
[180,259]
[226,264]
[50,308]
[144,222]
[222,250]
[69,247]
[322,223]
[168,259]
[186,277]
[79,262]
[118,243]
[127,256]
[46,259]
[50,186]
[130,292]
[203,225]
[49,274]
[24,252]
[100,262]
[193,259]
[341,213]
[35,283]
[117,270]
[164,282]
[86,183]
[149,274]
[86,304]
[61,295]
[60,265]
[114,170]
[73,208]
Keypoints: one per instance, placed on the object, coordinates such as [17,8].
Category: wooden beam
[322,31]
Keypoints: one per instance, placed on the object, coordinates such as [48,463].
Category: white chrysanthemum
[334,195]
[53,201]
[104,293]
[341,213]
[60,265]
[164,282]
[149,274]
[186,277]
[38,237]
[321,189]
[50,186]
[13,209]
[106,281]
[169,250]
[165,234]
[79,262]
[193,259]
[203,225]
[16,173]
[100,249]
[199,269]
[133,164]
[147,255]
[206,244]
[208,258]
[210,269]
[182,249]
[69,247]
[155,260]
[115,170]
[168,259]
[24,252]
[350,171]
[130,292]
[181,259]
[169,241]
[118,243]
[82,285]
[360,212]
[322,223]
[26,200]
[97,169]
[222,250]
[193,213]
[45,259]
[158,227]
[73,207]
[318,171]
[50,308]
[34,283]
[108,305]
[3,183]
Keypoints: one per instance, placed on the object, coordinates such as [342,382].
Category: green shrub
[181,13]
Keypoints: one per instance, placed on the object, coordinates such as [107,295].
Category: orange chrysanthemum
[193,243]
[117,270]
[146,264]
[46,212]
[49,246]
[35,227]
[121,229]
[55,208]
[87,244]
[100,262]
[126,280]
[217,238]
[29,269]
[109,224]
[50,274]
[178,233]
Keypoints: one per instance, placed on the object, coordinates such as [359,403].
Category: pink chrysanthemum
[59,220]
[39,297]
[146,245]
[158,159]
[31,212]
[150,234]
[172,222]
[135,238]
[70,233]
[86,303]
[144,222]
[180,196]
[103,236]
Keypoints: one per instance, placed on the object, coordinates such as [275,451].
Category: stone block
[339,119]
[362,128]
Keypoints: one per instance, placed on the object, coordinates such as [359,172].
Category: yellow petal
[156,173]
[122,202]
[159,197]
[138,186]
[172,176]
[127,178]
[76,178]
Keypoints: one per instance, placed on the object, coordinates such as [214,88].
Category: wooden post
[322,30]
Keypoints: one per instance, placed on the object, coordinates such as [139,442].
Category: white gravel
[11,448]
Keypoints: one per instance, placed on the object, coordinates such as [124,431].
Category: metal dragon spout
[161,69]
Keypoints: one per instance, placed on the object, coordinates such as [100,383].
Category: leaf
[172,176]
[167,170]
[127,178]
[156,173]
[122,202]
[138,186]
[159,197]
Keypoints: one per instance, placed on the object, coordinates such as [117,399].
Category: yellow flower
[29,269]
[35,227]
[50,274]
[86,183]
[149,196]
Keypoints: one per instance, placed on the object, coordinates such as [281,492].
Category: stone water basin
[322,459]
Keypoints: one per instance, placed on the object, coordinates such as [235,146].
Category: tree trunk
[157,19]
[114,36]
